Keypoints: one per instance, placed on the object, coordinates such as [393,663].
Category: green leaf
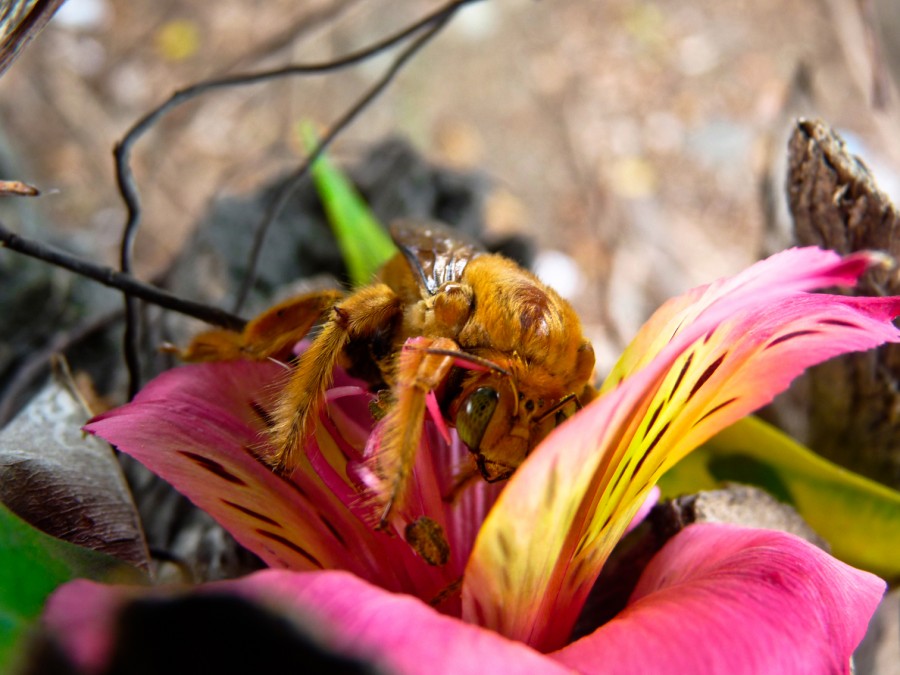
[32,565]
[363,241]
[858,517]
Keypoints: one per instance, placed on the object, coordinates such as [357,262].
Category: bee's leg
[362,314]
[271,334]
[418,372]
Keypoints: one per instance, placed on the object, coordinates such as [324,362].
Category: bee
[502,356]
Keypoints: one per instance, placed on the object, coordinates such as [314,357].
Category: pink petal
[81,615]
[555,524]
[783,274]
[726,599]
[356,618]
[199,426]
[520,571]
[399,630]
[194,426]
[651,500]
[741,364]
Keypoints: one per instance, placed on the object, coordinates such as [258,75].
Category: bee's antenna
[558,405]
[468,360]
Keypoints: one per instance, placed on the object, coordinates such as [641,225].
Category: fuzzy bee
[502,353]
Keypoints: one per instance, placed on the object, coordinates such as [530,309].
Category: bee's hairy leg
[418,373]
[358,316]
[272,334]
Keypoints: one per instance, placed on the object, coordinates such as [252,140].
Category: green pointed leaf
[32,565]
[364,242]
[858,517]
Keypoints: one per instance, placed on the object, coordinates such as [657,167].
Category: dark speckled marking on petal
[708,373]
[550,492]
[213,467]
[505,547]
[719,407]
[263,414]
[287,543]
[681,374]
[334,531]
[790,336]
[250,512]
[838,322]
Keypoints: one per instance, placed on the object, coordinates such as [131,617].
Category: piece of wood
[854,401]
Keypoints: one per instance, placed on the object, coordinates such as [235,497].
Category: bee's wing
[436,253]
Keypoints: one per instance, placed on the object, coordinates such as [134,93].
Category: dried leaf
[66,483]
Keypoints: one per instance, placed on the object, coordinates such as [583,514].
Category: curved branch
[295,179]
[121,281]
[122,152]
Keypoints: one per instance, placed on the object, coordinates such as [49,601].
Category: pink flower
[523,556]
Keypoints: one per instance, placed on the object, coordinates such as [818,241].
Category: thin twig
[16,188]
[126,283]
[125,177]
[293,181]
[37,362]
[306,25]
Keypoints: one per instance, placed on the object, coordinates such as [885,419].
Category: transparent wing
[436,253]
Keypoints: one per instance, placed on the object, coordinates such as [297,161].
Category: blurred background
[640,144]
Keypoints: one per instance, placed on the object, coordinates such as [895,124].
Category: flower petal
[651,500]
[81,615]
[562,512]
[354,618]
[785,273]
[726,599]
[197,427]
[400,630]
[193,426]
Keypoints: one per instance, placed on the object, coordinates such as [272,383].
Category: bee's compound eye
[476,413]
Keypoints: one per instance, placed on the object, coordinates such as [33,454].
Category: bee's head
[501,424]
